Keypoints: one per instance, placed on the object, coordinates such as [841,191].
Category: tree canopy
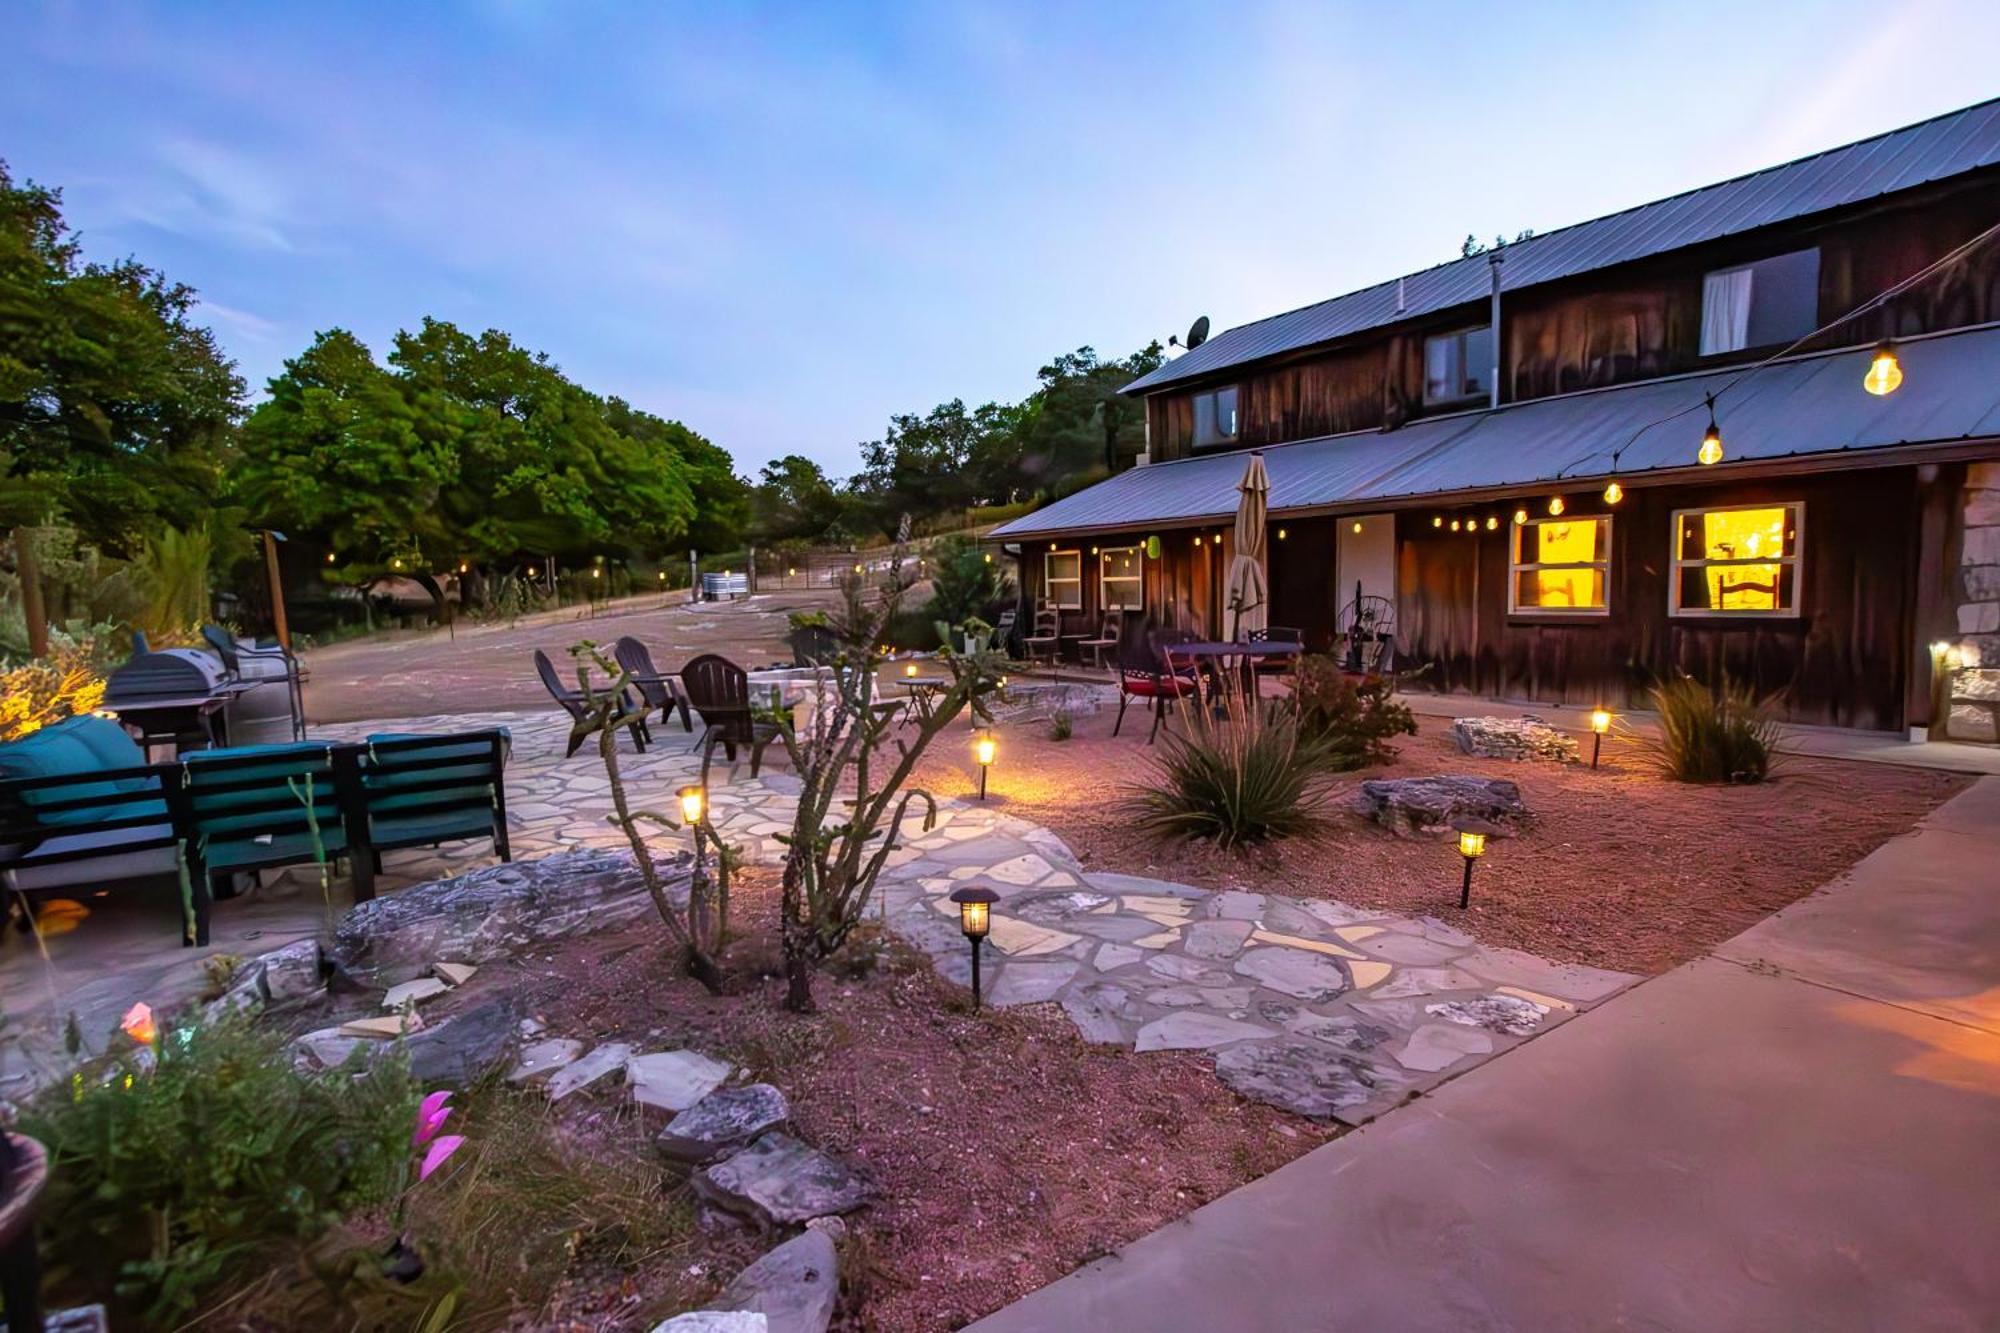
[469,447]
[115,408]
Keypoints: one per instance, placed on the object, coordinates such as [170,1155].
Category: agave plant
[1242,773]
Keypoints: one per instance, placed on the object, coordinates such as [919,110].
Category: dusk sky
[783,224]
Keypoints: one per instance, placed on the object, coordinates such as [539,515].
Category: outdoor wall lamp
[975,907]
[983,751]
[1472,835]
[1600,722]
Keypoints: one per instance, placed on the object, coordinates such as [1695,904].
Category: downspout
[1494,258]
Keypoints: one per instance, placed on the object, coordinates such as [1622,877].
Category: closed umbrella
[1248,597]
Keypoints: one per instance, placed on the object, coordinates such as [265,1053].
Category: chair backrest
[1114,625]
[1048,620]
[265,792]
[1137,655]
[715,684]
[225,647]
[563,694]
[632,655]
[436,777]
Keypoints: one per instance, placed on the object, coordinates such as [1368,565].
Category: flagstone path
[1312,1005]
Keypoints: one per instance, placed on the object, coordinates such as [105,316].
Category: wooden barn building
[1449,441]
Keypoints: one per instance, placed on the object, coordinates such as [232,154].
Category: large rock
[295,972]
[715,1321]
[778,1179]
[1411,807]
[1513,738]
[494,912]
[463,1048]
[794,1287]
[1309,1078]
[723,1121]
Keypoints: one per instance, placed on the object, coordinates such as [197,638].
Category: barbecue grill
[174,696]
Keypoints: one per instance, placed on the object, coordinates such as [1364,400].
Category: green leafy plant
[1352,717]
[964,583]
[1727,734]
[1247,775]
[1061,725]
[204,1155]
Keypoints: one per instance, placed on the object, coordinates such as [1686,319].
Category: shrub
[963,582]
[1248,775]
[1353,719]
[1061,725]
[1721,735]
[167,1181]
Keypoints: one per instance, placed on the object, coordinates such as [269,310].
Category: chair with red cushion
[1143,674]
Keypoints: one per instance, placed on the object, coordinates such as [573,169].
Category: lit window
[1764,304]
[1561,566]
[1121,579]
[1742,561]
[1063,571]
[1457,366]
[1215,416]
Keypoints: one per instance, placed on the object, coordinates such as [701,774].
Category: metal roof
[1807,405]
[1931,150]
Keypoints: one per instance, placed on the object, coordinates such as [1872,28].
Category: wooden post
[277,590]
[32,609]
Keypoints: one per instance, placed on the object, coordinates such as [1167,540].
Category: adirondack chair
[659,691]
[720,691]
[572,701]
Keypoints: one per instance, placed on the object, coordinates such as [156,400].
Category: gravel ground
[1621,869]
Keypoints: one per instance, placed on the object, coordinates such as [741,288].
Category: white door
[1365,555]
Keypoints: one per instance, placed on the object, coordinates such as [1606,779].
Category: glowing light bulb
[1454,525]
[1520,517]
[1357,527]
[1711,446]
[1613,493]
[1555,504]
[1437,520]
[1884,372]
[1492,522]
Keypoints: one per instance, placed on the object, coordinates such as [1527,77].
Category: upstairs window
[1215,416]
[1765,304]
[1458,367]
[1062,571]
[1739,561]
[1561,566]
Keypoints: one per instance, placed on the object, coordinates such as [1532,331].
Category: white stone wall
[1975,685]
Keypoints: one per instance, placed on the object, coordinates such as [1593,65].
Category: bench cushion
[75,745]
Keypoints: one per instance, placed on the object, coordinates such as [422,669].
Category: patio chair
[1107,638]
[577,706]
[1004,631]
[1368,626]
[1046,635]
[258,664]
[659,691]
[259,807]
[1276,634]
[82,811]
[720,692]
[1143,674]
[418,790]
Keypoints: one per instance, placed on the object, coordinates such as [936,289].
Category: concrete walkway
[1800,1130]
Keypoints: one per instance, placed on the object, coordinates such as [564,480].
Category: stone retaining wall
[1974,708]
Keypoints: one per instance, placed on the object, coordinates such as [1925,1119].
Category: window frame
[1049,579]
[1458,336]
[1751,265]
[1104,580]
[1797,560]
[1235,416]
[1516,567]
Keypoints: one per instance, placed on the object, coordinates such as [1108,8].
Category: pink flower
[440,1151]
[432,1112]
[138,1024]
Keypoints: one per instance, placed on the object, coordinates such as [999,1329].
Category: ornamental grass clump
[1246,775]
[1721,735]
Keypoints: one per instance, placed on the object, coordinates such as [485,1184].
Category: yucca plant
[1726,734]
[1245,775]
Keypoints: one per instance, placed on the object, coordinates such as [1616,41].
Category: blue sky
[781,224]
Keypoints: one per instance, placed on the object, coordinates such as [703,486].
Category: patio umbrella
[1247,598]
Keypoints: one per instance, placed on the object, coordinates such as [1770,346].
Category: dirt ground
[1005,1151]
[1620,869]
[482,668]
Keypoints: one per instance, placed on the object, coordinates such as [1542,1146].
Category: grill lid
[171,673]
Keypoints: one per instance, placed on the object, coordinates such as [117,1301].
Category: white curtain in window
[1725,311]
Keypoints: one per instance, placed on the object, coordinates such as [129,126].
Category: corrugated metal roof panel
[1932,150]
[1810,405]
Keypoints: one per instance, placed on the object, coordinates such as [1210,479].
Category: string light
[1613,493]
[1492,522]
[1710,452]
[1437,520]
[1555,504]
[1357,527]
[1521,517]
[1281,534]
[1884,372]
[1454,525]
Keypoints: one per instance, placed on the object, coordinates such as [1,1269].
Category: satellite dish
[1197,334]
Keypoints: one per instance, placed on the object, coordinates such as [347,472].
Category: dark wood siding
[1843,660]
